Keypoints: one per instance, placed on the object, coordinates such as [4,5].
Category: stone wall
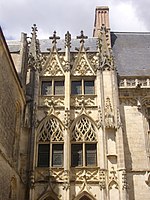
[11,113]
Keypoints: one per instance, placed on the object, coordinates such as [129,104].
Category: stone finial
[68,39]
[54,38]
[34,49]
[82,37]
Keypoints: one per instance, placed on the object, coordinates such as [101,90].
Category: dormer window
[52,87]
[83,87]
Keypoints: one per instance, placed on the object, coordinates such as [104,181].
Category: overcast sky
[18,16]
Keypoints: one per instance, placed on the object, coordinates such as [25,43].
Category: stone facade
[12,102]
[84,127]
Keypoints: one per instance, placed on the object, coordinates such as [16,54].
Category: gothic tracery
[51,130]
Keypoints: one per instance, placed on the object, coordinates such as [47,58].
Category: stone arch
[84,125]
[50,195]
[50,127]
[84,196]
[113,190]
[81,116]
[49,135]
[113,183]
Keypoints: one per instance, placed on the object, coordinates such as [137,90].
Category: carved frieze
[91,175]
[55,174]
[83,101]
[51,102]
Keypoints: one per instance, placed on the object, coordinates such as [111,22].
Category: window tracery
[51,130]
[84,130]
[50,143]
[84,143]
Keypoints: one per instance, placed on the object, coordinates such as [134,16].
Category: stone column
[67,118]
[101,134]
[32,138]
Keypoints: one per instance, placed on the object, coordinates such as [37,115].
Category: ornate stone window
[52,87]
[50,144]
[82,87]
[83,144]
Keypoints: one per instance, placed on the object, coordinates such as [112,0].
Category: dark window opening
[43,155]
[88,87]
[76,87]
[82,87]
[58,87]
[57,155]
[90,153]
[76,152]
[46,88]
[84,198]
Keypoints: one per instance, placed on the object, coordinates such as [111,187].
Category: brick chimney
[101,18]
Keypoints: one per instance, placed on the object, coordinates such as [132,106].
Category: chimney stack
[101,18]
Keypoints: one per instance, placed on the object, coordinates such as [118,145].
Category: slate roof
[90,42]
[131,51]
[14,46]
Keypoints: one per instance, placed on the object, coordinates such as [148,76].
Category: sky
[18,16]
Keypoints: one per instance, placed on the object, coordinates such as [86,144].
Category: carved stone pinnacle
[68,39]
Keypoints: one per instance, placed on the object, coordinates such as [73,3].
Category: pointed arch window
[50,144]
[84,144]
